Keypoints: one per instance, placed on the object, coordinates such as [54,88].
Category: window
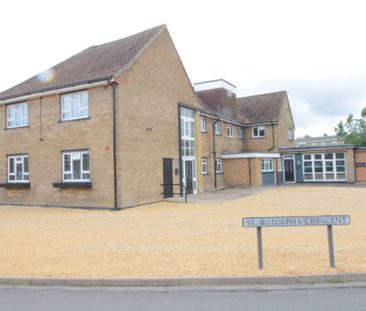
[240,132]
[217,127]
[187,145]
[229,130]
[76,166]
[204,166]
[74,106]
[218,166]
[18,170]
[187,132]
[289,134]
[258,131]
[324,167]
[267,165]
[203,124]
[17,115]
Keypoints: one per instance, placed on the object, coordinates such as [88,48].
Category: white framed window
[289,134]
[18,169]
[217,127]
[187,128]
[229,130]
[204,166]
[267,165]
[218,166]
[203,124]
[240,132]
[17,115]
[74,106]
[258,131]
[75,166]
[324,167]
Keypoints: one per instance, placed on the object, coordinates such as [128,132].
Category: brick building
[98,131]
[243,135]
[120,124]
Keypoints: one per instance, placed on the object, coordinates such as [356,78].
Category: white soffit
[216,84]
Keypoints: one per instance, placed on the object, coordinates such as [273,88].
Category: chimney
[220,95]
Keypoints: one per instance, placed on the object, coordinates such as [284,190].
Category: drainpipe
[273,139]
[113,84]
[214,149]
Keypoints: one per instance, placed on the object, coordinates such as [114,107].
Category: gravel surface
[176,239]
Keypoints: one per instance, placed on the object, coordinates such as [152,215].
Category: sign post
[296,221]
[331,246]
[259,246]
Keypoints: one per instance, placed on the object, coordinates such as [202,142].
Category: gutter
[113,84]
[56,91]
[214,149]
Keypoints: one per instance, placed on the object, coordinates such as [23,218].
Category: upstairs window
[289,134]
[74,106]
[18,169]
[217,127]
[240,132]
[229,130]
[258,131]
[203,124]
[76,166]
[17,115]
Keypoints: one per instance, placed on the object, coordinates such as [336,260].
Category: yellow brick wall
[281,130]
[45,162]
[350,166]
[236,172]
[148,96]
[223,144]
[259,144]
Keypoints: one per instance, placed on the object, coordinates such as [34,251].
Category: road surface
[333,298]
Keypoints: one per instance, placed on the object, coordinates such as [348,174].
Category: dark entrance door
[189,176]
[289,170]
[168,177]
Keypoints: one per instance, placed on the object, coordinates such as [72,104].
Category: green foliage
[353,131]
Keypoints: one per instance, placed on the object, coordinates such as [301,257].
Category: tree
[353,131]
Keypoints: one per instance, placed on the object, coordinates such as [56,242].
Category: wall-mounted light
[149,129]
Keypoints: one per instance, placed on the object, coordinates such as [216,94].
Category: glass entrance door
[189,176]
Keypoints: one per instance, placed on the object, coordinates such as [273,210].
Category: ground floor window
[324,167]
[204,166]
[267,165]
[76,166]
[218,166]
[18,170]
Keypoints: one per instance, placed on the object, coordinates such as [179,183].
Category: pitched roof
[263,108]
[96,63]
[318,138]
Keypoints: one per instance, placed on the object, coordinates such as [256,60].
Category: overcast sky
[316,50]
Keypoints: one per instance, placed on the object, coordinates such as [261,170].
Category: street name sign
[296,221]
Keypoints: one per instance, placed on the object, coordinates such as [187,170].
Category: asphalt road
[238,298]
